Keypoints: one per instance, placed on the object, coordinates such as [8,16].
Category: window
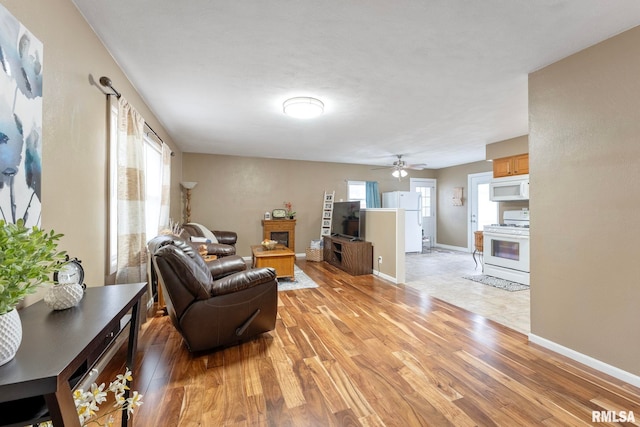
[357,191]
[153,175]
[153,186]
[426,200]
[113,185]
[487,210]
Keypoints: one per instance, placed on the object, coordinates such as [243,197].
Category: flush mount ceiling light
[303,107]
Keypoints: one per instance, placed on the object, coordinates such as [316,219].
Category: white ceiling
[435,80]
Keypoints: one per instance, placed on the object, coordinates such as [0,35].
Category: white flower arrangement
[88,402]
[174,229]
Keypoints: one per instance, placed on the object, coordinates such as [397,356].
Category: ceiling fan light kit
[399,173]
[303,107]
[399,167]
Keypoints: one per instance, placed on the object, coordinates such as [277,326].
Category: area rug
[301,281]
[497,283]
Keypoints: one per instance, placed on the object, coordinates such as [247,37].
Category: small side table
[479,248]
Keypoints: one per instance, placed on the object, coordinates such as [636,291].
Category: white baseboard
[384,276]
[587,360]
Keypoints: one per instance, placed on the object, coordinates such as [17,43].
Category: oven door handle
[500,236]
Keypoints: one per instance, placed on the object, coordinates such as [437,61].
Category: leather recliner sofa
[225,246]
[219,267]
[213,304]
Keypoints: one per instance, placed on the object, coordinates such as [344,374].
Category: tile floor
[439,274]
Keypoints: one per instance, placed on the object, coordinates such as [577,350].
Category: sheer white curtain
[132,257]
[166,193]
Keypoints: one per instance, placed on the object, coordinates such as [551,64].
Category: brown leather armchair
[220,268]
[226,245]
[207,305]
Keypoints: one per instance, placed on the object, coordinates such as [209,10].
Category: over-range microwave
[509,188]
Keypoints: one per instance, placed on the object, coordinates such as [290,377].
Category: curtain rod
[106,82]
[154,132]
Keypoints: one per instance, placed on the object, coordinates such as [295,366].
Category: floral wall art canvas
[20,121]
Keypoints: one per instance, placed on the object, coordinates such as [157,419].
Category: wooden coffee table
[281,259]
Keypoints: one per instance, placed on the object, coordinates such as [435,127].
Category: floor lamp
[188,186]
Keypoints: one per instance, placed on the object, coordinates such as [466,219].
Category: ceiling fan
[399,167]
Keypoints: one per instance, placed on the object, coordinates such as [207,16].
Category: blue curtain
[373,195]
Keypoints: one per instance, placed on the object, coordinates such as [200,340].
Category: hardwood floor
[359,351]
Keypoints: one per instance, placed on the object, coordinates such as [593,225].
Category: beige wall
[585,168]
[452,221]
[233,193]
[507,148]
[74,164]
[382,231]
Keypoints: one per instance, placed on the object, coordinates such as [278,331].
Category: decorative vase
[63,295]
[10,335]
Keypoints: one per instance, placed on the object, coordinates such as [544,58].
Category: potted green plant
[28,257]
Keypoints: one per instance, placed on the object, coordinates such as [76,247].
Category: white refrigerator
[411,202]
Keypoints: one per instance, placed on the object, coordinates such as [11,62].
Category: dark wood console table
[59,347]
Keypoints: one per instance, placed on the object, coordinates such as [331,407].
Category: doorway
[427,188]
[441,273]
[482,211]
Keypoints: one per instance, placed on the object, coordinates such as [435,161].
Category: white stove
[517,230]
[506,247]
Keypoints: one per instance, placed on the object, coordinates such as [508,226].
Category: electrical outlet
[380,259]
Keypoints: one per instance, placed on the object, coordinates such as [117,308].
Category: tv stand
[349,254]
[347,237]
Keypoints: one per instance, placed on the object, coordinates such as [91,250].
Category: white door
[482,211]
[427,188]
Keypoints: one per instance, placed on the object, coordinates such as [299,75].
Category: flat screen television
[346,220]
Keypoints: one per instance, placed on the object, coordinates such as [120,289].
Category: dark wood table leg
[131,350]
[62,408]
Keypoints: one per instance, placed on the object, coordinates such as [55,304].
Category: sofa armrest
[242,280]
[226,237]
[225,266]
[219,249]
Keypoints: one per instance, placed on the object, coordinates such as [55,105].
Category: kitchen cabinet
[509,166]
